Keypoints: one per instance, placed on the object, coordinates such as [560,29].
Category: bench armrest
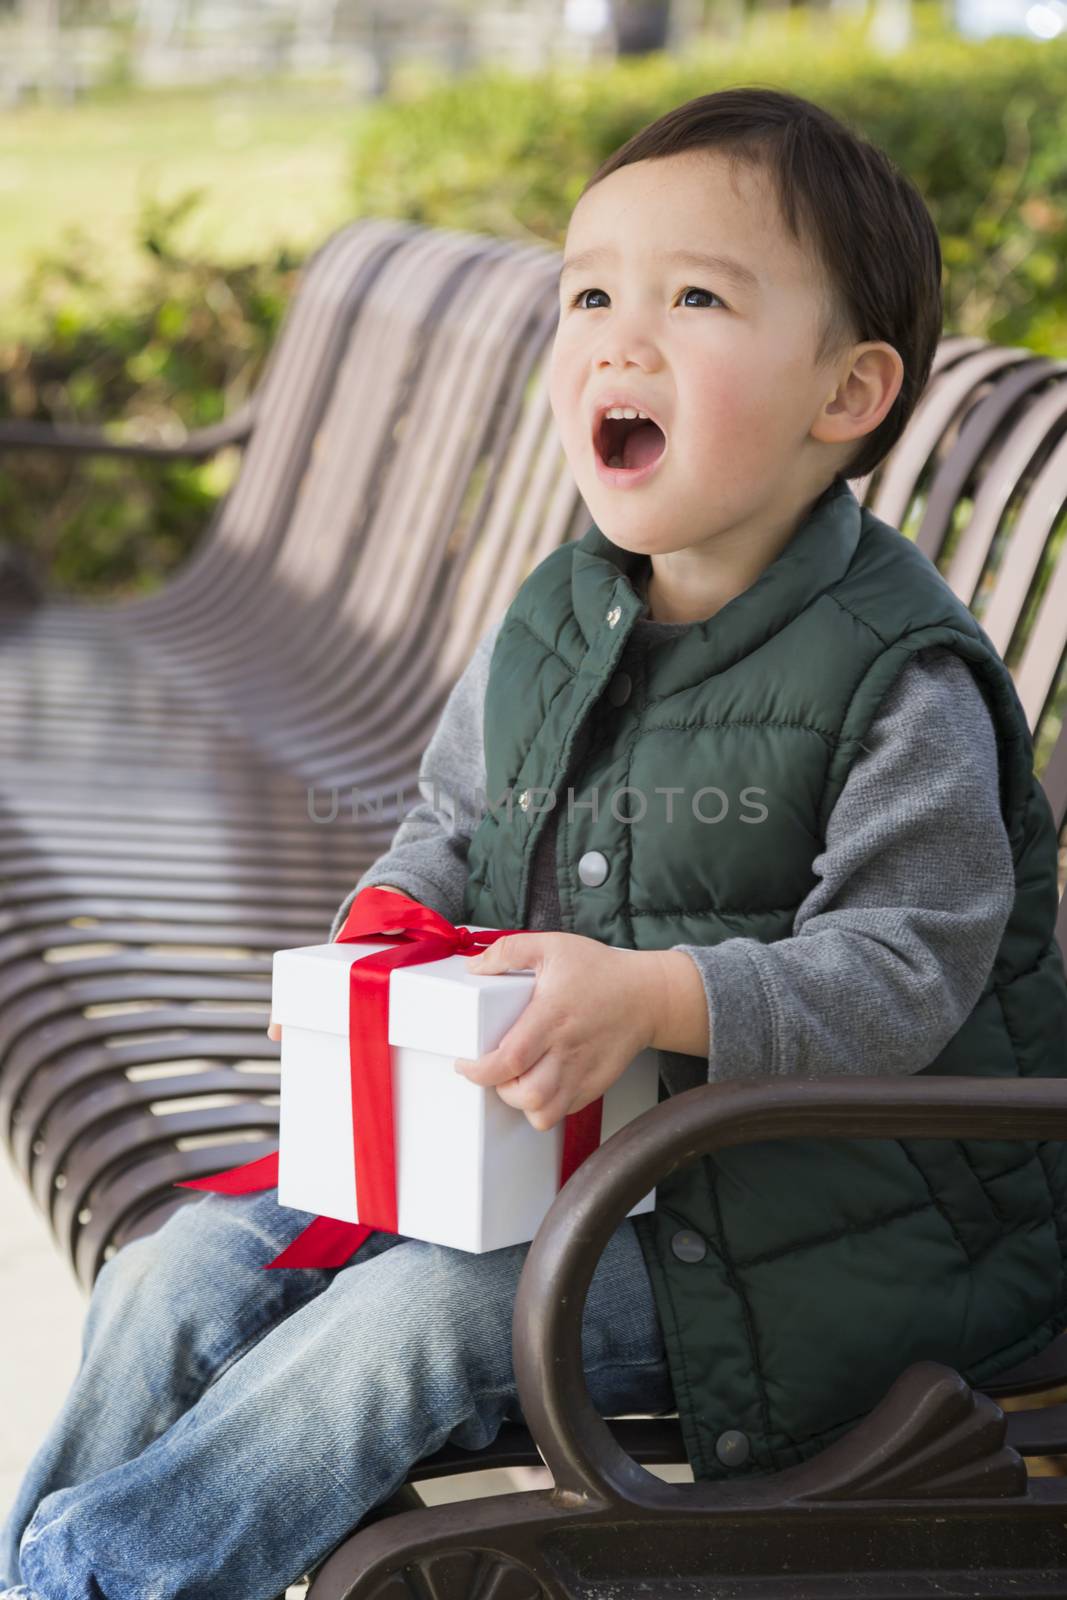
[67,440]
[574,1441]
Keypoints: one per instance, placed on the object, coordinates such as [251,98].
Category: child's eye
[709,292]
[691,290]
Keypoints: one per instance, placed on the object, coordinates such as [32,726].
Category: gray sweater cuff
[741,1016]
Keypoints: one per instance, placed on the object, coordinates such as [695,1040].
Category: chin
[628,526]
[636,540]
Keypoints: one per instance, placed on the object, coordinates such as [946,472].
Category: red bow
[424,936]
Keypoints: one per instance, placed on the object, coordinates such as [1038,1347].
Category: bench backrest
[403,476]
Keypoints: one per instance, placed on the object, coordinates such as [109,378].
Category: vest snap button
[524,800]
[732,1447]
[593,868]
[687,1245]
[619,688]
[613,616]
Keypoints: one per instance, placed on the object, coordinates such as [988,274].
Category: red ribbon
[419,935]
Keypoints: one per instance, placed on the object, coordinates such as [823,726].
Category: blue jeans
[228,1427]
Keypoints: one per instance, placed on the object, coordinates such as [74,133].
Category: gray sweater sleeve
[892,947]
[427,856]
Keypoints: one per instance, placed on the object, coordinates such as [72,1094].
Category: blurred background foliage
[180,352]
[980,127]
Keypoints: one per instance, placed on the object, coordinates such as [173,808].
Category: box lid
[434,1005]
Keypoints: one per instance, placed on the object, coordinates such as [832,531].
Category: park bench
[163,764]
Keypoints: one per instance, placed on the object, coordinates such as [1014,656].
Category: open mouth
[629,442]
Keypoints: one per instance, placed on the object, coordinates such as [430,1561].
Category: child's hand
[274,1031]
[594,1006]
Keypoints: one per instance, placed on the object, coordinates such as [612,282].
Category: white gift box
[471,1170]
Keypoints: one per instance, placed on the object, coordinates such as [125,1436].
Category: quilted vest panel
[828,1265]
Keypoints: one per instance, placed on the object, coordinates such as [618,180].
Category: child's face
[728,371]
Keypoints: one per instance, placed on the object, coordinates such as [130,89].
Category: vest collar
[604,575]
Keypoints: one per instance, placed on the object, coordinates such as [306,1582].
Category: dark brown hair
[848,205]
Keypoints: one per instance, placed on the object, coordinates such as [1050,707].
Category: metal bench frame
[401,475]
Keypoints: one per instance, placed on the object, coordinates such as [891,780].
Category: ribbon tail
[261,1174]
[581,1136]
[323,1243]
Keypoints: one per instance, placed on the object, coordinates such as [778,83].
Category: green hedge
[981,128]
[181,353]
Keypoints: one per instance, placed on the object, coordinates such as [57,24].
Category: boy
[727,716]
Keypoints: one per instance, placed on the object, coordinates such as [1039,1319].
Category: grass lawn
[272,160]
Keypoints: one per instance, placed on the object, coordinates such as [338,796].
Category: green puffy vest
[794,1279]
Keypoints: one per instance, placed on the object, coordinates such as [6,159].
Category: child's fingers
[538,1094]
[274,1031]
